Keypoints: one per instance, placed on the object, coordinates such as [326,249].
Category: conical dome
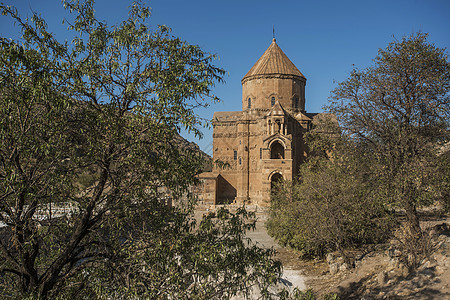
[273,62]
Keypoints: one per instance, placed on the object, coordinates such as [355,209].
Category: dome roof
[273,62]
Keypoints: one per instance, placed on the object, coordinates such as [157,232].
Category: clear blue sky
[323,38]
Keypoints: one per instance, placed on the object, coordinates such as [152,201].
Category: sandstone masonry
[263,143]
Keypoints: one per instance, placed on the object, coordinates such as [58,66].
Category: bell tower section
[273,78]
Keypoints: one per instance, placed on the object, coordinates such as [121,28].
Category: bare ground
[376,276]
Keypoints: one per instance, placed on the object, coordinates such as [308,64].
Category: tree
[399,108]
[88,163]
[331,206]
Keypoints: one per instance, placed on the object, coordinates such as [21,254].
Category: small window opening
[296,102]
[240,161]
[260,153]
[235,155]
[277,151]
[272,101]
[249,103]
[278,122]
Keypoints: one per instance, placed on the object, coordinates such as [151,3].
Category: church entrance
[276,178]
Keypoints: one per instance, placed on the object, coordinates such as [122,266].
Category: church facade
[263,143]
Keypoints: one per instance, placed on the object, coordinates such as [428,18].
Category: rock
[404,272]
[392,252]
[382,278]
[330,258]
[402,293]
[427,264]
[439,270]
[419,282]
[334,268]
[429,272]
[344,267]
[440,229]
[401,271]
[394,262]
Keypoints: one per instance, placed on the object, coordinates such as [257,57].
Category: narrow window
[240,161]
[260,153]
[277,151]
[235,155]
[249,103]
[272,101]
[296,102]
[278,122]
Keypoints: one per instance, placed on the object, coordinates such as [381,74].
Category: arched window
[296,102]
[249,103]
[272,101]
[278,129]
[277,151]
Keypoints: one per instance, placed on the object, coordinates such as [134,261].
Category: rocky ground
[374,273]
[377,273]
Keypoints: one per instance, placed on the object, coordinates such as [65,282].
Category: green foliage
[89,163]
[221,164]
[333,204]
[307,295]
[389,152]
[399,108]
[441,180]
[171,256]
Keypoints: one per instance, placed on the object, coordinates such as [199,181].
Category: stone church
[263,143]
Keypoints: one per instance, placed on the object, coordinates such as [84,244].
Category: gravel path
[292,277]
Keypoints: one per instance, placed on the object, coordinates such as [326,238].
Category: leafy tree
[399,108]
[443,179]
[88,162]
[332,205]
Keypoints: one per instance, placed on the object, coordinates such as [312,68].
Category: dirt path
[293,277]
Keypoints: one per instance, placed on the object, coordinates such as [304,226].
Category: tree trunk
[412,219]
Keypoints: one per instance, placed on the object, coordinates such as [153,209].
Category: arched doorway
[277,151]
[276,178]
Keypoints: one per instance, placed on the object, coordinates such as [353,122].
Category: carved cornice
[224,123]
[272,76]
